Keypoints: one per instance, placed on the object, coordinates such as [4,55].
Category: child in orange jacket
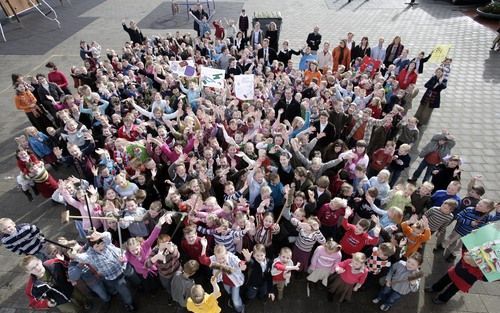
[417,232]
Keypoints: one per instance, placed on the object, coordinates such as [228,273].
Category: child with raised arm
[227,269]
[281,270]
[202,302]
[403,278]
[417,232]
[260,281]
[309,234]
[356,236]
[351,276]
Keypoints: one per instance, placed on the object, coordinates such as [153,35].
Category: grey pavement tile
[492,303]
[473,303]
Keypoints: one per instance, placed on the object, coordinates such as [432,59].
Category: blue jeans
[100,290]
[394,177]
[119,285]
[421,167]
[257,292]
[235,297]
[388,296]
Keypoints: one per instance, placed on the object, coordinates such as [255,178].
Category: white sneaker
[376,300]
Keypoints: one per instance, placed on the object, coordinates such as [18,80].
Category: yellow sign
[439,53]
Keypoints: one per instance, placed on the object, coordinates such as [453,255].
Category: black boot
[28,195]
[35,191]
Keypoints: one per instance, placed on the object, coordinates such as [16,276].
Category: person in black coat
[259,281]
[290,106]
[48,93]
[266,53]
[314,40]
[233,69]
[134,32]
[243,23]
[285,54]
[272,34]
[445,173]
[323,126]
[432,97]
[361,50]
[420,60]
[199,13]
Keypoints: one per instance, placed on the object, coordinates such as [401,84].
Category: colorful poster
[212,77]
[244,86]
[370,66]
[183,68]
[484,247]
[439,53]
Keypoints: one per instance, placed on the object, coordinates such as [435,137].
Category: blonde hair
[332,245]
[220,249]
[197,294]
[134,241]
[398,214]
[359,257]
[27,260]
[428,185]
[339,202]
[4,221]
[385,172]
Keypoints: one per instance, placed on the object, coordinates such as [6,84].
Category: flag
[439,53]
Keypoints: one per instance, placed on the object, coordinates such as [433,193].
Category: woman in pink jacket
[137,255]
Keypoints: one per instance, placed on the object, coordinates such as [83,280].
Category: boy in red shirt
[381,158]
[281,270]
[356,236]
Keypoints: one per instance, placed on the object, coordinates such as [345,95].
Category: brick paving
[469,110]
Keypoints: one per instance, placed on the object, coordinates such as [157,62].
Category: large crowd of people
[185,188]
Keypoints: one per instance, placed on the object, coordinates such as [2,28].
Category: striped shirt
[438,221]
[305,241]
[24,240]
[226,240]
[466,217]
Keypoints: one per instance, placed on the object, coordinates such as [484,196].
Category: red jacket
[352,243]
[405,83]
[329,217]
[380,159]
[463,275]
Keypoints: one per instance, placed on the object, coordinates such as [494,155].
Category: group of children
[200,191]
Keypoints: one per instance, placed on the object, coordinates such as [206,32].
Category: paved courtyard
[469,110]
